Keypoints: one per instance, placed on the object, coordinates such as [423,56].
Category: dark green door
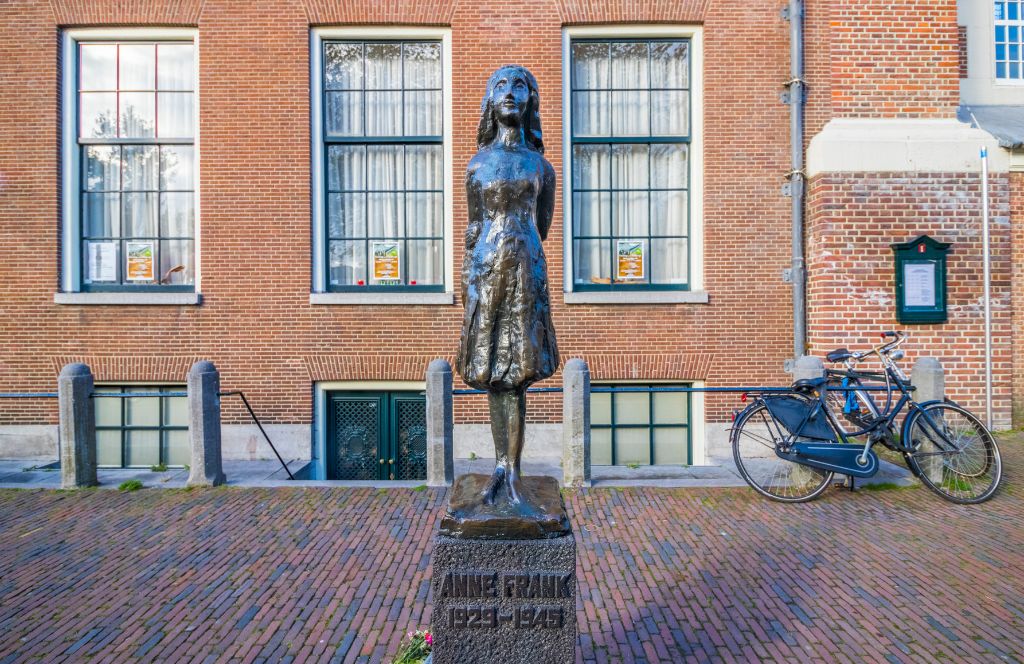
[376,436]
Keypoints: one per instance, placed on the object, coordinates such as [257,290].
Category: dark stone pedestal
[504,601]
[541,513]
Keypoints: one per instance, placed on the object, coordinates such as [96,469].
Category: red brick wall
[256,322]
[894,58]
[1017,300]
[852,220]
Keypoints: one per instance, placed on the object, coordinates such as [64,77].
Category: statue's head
[512,100]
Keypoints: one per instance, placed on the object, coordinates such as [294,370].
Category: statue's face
[510,96]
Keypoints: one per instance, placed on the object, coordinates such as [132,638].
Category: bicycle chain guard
[832,457]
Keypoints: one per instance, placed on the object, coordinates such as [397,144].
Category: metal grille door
[376,436]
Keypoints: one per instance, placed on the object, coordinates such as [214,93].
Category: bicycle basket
[791,413]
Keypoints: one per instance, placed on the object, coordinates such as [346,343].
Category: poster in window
[386,263]
[140,261]
[919,284]
[629,260]
[102,261]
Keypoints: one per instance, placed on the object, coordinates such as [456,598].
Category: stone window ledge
[386,299]
[129,299]
[636,297]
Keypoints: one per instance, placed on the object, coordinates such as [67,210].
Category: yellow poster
[386,263]
[140,261]
[630,260]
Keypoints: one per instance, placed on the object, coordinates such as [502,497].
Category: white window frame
[695,34]
[1019,23]
[71,249]
[318,290]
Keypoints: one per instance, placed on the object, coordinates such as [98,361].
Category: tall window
[1009,23]
[640,426]
[383,148]
[141,431]
[630,164]
[135,132]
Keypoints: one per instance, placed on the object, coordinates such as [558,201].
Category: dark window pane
[140,215]
[102,168]
[344,113]
[422,65]
[346,216]
[343,66]
[177,167]
[347,263]
[346,167]
[177,258]
[101,215]
[669,65]
[141,167]
[384,66]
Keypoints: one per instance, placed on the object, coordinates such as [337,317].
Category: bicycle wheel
[754,438]
[954,454]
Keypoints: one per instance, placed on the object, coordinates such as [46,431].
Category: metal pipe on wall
[987,288]
[798,277]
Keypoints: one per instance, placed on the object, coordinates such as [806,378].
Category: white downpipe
[987,296]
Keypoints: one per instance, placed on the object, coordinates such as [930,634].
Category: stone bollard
[929,380]
[440,424]
[204,425]
[77,429]
[807,366]
[576,423]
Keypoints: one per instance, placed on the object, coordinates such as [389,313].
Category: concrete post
[440,424]
[807,366]
[576,423]
[929,379]
[204,425]
[77,428]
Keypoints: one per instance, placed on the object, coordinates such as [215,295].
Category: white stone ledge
[637,297]
[871,145]
[396,299]
[129,299]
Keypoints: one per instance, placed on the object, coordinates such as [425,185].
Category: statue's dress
[508,340]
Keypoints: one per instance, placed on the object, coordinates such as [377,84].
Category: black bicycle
[789,446]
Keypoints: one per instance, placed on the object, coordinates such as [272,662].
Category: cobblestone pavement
[317,574]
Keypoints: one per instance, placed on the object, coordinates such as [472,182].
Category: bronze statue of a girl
[508,340]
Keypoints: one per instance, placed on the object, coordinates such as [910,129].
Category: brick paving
[312,574]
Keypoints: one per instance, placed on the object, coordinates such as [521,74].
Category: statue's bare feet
[516,493]
[493,484]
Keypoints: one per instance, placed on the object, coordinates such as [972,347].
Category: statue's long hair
[488,128]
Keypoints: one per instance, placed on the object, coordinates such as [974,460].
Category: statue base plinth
[507,601]
[540,514]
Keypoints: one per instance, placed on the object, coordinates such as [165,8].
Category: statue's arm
[546,201]
[473,206]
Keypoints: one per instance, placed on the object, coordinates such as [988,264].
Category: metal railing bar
[258,424]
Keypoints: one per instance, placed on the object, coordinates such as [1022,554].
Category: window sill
[129,299]
[637,297]
[386,299]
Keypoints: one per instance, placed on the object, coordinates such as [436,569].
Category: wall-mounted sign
[386,262]
[140,261]
[629,264]
[921,280]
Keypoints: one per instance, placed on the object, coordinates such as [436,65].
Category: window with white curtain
[135,134]
[383,148]
[630,124]
[1009,40]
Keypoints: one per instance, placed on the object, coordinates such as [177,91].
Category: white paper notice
[102,261]
[919,284]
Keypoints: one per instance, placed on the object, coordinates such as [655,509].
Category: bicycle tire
[972,472]
[761,467]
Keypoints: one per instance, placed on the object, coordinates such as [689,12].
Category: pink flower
[428,638]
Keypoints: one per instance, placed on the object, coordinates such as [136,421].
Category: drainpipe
[794,96]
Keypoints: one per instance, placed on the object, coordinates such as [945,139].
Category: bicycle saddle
[838,355]
[808,383]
